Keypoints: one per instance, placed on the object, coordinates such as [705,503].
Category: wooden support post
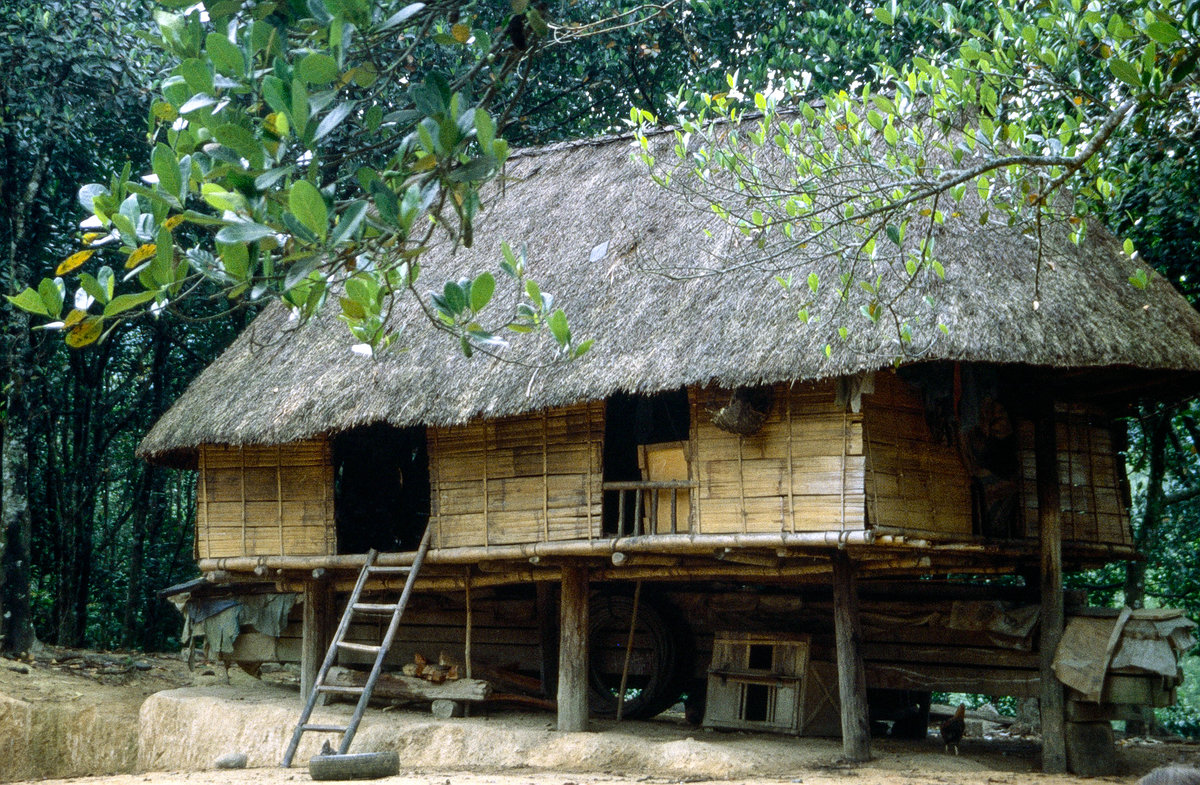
[573,650]
[852,680]
[1054,755]
[319,622]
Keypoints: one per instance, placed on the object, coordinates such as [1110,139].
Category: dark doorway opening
[381,488]
[633,420]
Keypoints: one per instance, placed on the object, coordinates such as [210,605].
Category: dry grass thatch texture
[656,330]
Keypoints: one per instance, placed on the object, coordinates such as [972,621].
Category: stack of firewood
[445,669]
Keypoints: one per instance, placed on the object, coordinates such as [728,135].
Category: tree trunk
[1155,429]
[16,624]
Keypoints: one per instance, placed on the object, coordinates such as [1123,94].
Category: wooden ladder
[353,607]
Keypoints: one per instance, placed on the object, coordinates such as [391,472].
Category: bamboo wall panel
[265,501]
[913,482]
[518,480]
[803,470]
[1091,479]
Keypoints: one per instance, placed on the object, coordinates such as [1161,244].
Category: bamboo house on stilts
[710,503]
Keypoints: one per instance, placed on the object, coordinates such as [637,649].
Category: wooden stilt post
[852,680]
[573,650]
[1054,755]
[317,631]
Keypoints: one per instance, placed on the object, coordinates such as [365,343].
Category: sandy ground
[76,703]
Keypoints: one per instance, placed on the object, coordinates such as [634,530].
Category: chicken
[953,728]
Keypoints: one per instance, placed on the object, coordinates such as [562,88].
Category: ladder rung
[375,607]
[389,570]
[364,647]
[325,728]
[340,689]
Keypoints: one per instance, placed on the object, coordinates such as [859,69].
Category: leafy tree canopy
[1029,100]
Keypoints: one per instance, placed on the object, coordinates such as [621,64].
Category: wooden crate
[265,501]
[531,478]
[757,682]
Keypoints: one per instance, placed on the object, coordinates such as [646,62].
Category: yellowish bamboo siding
[915,483]
[802,471]
[519,479]
[1090,478]
[265,501]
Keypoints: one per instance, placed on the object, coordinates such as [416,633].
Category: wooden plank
[573,651]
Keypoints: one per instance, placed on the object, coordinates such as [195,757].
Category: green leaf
[274,94]
[197,75]
[885,16]
[225,56]
[242,142]
[893,233]
[166,168]
[485,129]
[481,291]
[306,202]
[92,286]
[557,322]
[333,119]
[299,107]
[1162,32]
[455,297]
[318,68]
[813,282]
[351,218]
[30,301]
[246,232]
[235,260]
[123,302]
[1125,71]
[53,292]
[583,348]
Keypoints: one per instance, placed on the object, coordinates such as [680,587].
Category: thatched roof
[281,381]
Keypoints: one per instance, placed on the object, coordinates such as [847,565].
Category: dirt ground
[78,705]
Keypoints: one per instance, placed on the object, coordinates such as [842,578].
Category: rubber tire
[355,766]
[609,615]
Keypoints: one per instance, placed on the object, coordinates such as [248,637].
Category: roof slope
[281,381]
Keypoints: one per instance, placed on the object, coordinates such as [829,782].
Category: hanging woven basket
[746,410]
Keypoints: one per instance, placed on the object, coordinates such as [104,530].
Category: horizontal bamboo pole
[704,544]
[659,544]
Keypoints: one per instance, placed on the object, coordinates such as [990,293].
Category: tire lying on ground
[355,766]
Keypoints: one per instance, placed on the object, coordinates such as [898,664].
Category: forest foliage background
[91,532]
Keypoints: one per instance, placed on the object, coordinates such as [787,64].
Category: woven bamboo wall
[523,479]
[265,501]
[1090,479]
[803,471]
[913,482]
